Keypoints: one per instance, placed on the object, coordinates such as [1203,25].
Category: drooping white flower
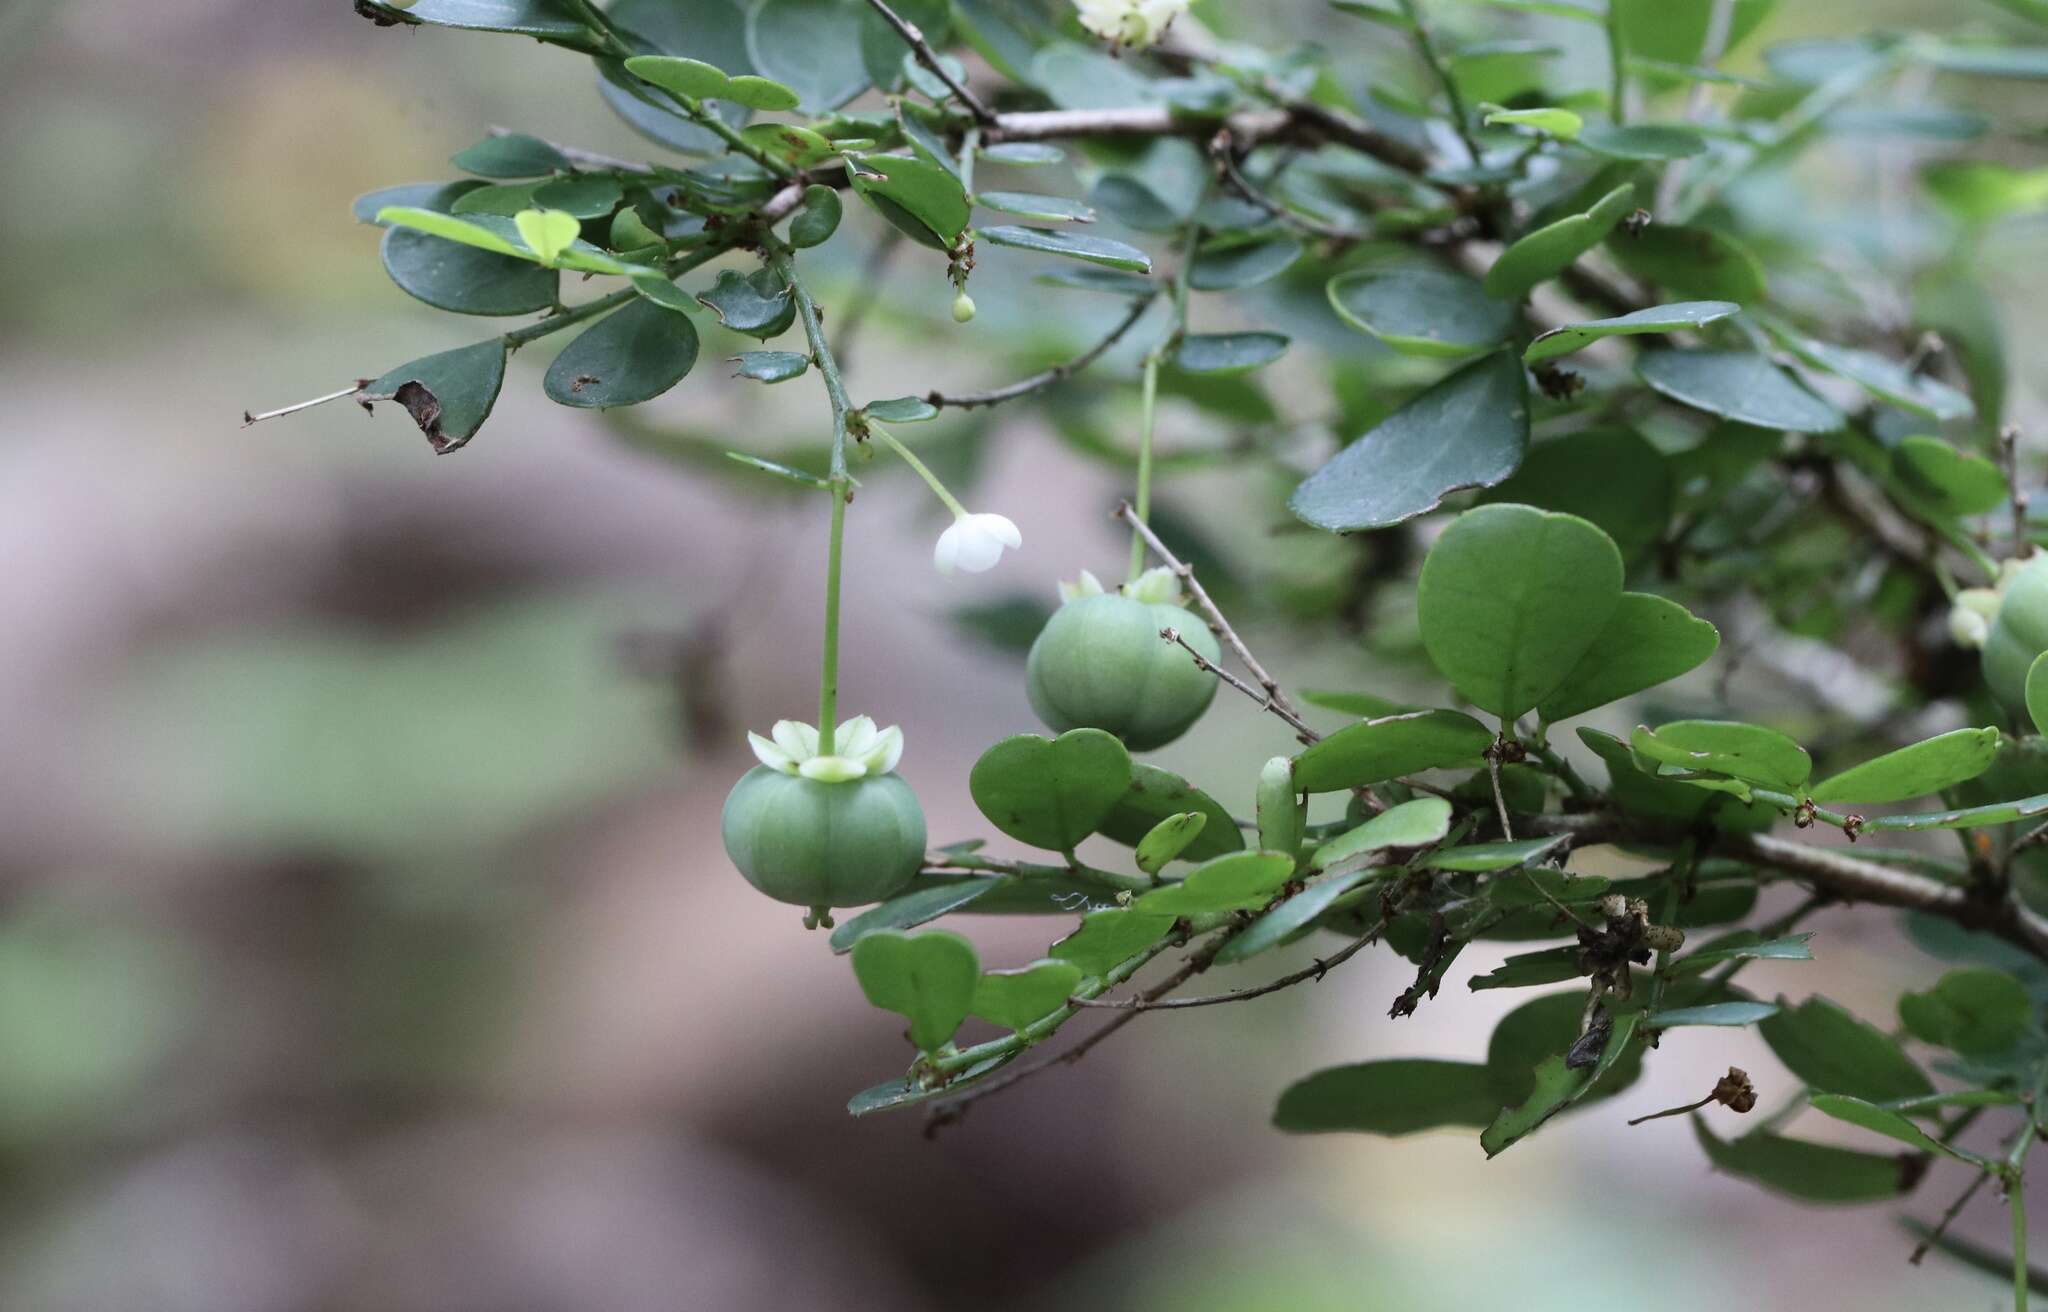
[859,749]
[975,543]
[1133,23]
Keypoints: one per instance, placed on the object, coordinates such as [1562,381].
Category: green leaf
[1678,316]
[1416,823]
[929,979]
[1511,598]
[1561,123]
[1645,642]
[1740,385]
[909,910]
[1675,31]
[1811,1172]
[1836,1053]
[1869,1116]
[536,18]
[1014,999]
[2037,694]
[1050,209]
[501,235]
[710,30]
[1712,1013]
[1079,246]
[1974,1011]
[771,366]
[547,233]
[1468,431]
[1791,948]
[784,472]
[1932,766]
[1698,262]
[1548,251]
[811,46]
[1887,380]
[1557,1086]
[585,196]
[1537,1029]
[760,93]
[1426,312]
[1748,752]
[1529,969]
[1642,141]
[685,77]
[1362,705]
[1234,267]
[1221,883]
[900,1092]
[1387,1097]
[633,354]
[1481,858]
[1153,795]
[513,155]
[1228,353]
[1378,750]
[756,303]
[901,410]
[1291,916]
[815,223]
[1982,191]
[929,196]
[1110,937]
[448,395]
[2026,62]
[1168,839]
[456,276]
[1939,480]
[795,145]
[1609,477]
[1051,793]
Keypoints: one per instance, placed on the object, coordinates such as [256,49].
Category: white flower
[1085,586]
[859,749]
[1134,23]
[1969,619]
[975,543]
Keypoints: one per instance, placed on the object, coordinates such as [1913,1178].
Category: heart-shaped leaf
[1375,751]
[929,979]
[1648,640]
[1110,937]
[1931,766]
[1511,598]
[1014,999]
[1416,823]
[547,233]
[1222,884]
[1467,431]
[1051,793]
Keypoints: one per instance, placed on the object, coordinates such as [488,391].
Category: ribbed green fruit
[824,845]
[2018,635]
[1100,663]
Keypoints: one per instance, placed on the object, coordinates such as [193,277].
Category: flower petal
[832,769]
[1001,528]
[796,738]
[887,750]
[855,736]
[946,555]
[770,754]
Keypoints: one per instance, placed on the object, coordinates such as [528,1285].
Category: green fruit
[1100,663]
[963,308]
[824,844]
[2018,635]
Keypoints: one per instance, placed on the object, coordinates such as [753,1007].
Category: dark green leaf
[465,279]
[1468,431]
[1051,793]
[811,46]
[892,1094]
[1245,264]
[1228,353]
[1939,480]
[1739,385]
[1712,1013]
[713,31]
[1387,1097]
[909,910]
[901,410]
[1290,917]
[1153,795]
[756,304]
[1050,209]
[448,395]
[1974,1011]
[1642,141]
[1792,948]
[1811,1172]
[1645,642]
[1426,312]
[815,223]
[929,196]
[1836,1053]
[771,366]
[551,19]
[1556,1085]
[1699,262]
[1609,477]
[1080,246]
[1676,317]
[1529,969]
[514,155]
[1548,251]
[634,354]
[1481,858]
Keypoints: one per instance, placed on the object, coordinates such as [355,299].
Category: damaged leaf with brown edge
[448,395]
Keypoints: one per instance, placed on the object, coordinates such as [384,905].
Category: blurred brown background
[366,944]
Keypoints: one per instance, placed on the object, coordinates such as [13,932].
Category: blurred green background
[365,938]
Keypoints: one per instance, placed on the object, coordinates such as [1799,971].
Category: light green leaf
[757,92]
[1679,316]
[1481,858]
[1375,751]
[685,77]
[1110,937]
[1869,1116]
[2037,693]
[1014,999]
[547,233]
[1468,431]
[929,197]
[1548,251]
[1416,823]
[1168,839]
[1556,1087]
[929,979]
[1791,948]
[1748,752]
[1511,598]
[1427,312]
[1561,123]
[1051,793]
[1221,884]
[1387,1097]
[1937,480]
[1932,766]
[1027,205]
[1645,642]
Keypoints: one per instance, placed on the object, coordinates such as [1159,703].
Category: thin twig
[1223,153]
[1264,702]
[930,59]
[1500,798]
[1955,1209]
[1283,707]
[1322,967]
[1045,378]
[2009,445]
[248,419]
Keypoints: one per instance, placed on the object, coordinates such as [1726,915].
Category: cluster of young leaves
[1584,343]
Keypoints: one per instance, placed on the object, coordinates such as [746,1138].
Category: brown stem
[930,59]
